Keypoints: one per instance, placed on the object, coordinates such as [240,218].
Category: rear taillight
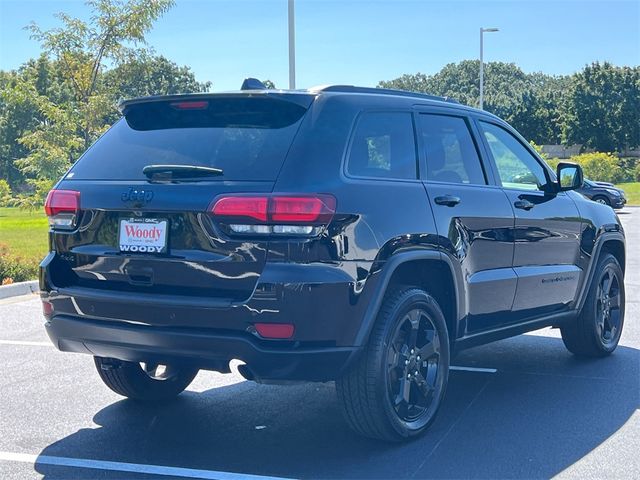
[297,215]
[62,207]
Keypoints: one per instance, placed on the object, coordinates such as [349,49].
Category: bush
[5,193]
[600,166]
[16,269]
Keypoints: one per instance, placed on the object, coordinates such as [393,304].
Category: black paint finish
[511,269]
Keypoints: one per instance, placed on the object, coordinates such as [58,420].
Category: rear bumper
[205,350]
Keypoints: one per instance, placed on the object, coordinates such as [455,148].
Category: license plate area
[143,235]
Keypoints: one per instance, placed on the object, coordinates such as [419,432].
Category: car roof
[306,96]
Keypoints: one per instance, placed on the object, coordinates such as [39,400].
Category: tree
[602,108]
[83,47]
[151,75]
[525,101]
[74,110]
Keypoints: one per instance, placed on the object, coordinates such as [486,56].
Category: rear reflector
[47,308]
[275,330]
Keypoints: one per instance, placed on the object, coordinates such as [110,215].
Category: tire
[372,392]
[145,384]
[596,332]
[602,200]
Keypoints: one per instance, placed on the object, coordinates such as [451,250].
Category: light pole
[292,47]
[482,32]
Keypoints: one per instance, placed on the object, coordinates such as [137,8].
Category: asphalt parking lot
[525,408]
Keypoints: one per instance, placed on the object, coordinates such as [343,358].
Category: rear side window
[383,146]
[450,151]
[247,137]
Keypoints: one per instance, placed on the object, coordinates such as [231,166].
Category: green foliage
[599,166]
[150,75]
[598,107]
[269,84]
[632,192]
[527,101]
[54,107]
[602,108]
[16,269]
[636,172]
[539,151]
[5,193]
[553,163]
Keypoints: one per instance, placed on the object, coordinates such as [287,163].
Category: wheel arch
[429,270]
[607,242]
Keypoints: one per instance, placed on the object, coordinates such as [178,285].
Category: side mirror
[569,176]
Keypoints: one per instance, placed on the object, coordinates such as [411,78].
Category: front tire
[597,330]
[602,200]
[394,390]
[145,382]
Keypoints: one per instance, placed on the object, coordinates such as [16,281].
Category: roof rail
[380,91]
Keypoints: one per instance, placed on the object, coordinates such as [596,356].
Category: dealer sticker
[143,235]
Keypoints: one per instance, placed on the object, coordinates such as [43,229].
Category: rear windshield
[247,137]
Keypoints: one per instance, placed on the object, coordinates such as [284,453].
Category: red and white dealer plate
[143,235]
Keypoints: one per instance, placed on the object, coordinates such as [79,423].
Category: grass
[632,190]
[24,232]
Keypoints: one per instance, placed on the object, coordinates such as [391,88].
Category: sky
[359,42]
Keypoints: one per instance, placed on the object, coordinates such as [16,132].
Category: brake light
[198,105]
[275,214]
[248,207]
[62,208]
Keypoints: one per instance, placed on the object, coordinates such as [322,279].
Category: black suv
[604,193]
[340,233]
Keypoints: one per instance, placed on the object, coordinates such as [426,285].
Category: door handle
[448,200]
[524,204]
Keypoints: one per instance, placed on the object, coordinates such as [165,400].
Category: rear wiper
[179,172]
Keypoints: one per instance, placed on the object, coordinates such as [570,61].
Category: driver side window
[517,167]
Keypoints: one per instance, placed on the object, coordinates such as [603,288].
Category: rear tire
[596,332]
[394,390]
[144,382]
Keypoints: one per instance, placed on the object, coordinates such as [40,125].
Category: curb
[20,288]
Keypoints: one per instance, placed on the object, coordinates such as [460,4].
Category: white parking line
[473,369]
[28,344]
[128,467]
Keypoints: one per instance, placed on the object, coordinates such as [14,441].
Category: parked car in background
[604,193]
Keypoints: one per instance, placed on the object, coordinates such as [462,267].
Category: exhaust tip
[246,372]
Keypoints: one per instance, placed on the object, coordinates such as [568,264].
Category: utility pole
[292,46]
[482,32]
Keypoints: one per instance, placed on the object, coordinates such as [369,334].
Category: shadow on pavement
[540,413]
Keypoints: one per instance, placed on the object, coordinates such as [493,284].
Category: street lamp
[482,32]
[292,47]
